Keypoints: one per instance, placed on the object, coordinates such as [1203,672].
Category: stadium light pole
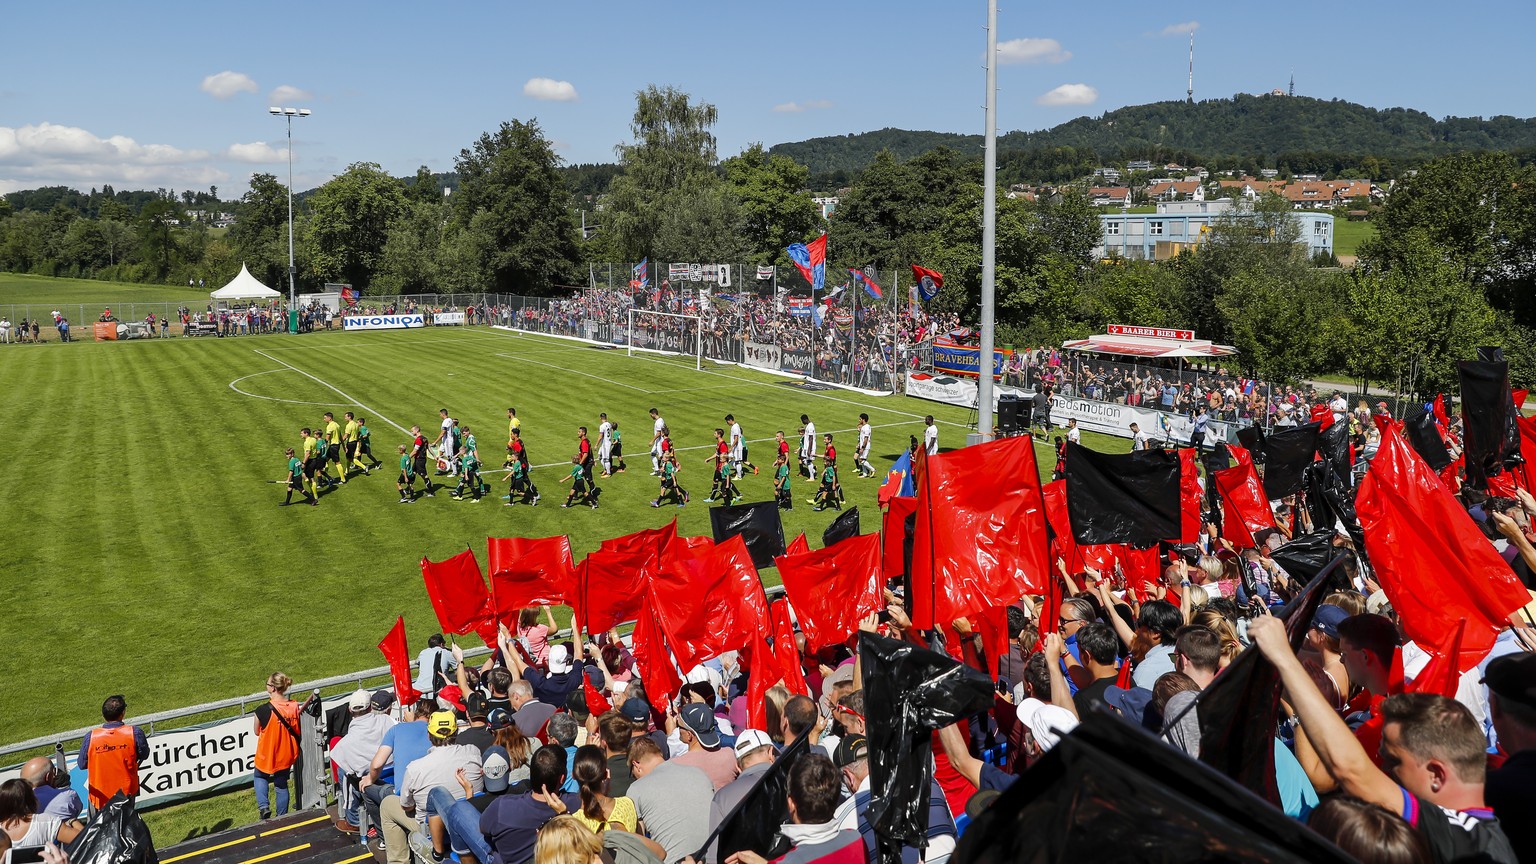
[289,114]
[988,241]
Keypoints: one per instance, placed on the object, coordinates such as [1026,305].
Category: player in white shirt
[930,436]
[658,426]
[807,448]
[861,450]
[444,443]
[605,444]
[738,444]
[1138,438]
[1073,435]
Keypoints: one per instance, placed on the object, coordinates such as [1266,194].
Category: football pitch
[149,555]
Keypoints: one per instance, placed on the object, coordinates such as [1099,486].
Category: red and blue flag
[928,282]
[811,260]
[868,283]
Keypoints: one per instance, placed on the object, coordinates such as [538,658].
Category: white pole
[292,298]
[988,238]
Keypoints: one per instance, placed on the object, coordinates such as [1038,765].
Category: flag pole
[988,240]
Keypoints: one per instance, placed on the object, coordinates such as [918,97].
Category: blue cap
[1328,618]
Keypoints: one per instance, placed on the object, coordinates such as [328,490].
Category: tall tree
[776,207]
[673,151]
[511,193]
[349,219]
[259,235]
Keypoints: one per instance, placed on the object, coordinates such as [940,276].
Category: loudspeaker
[1009,411]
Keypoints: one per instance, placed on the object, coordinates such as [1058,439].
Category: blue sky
[175,94]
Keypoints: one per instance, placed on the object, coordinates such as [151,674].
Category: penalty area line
[350,400]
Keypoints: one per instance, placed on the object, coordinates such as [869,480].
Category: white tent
[244,287]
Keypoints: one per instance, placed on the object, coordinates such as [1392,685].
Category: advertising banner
[762,355]
[963,360]
[1112,418]
[382,322]
[447,318]
[952,390]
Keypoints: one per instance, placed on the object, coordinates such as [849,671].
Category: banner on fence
[964,360]
[799,307]
[715,274]
[1113,418]
[764,273]
[447,318]
[382,322]
[799,362]
[763,355]
[951,390]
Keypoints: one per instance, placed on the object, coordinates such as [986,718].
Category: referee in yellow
[333,452]
[349,436]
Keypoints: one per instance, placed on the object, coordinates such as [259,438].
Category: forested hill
[1243,127]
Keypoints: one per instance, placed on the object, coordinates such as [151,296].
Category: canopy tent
[244,287]
[1147,346]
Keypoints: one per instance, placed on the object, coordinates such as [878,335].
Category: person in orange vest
[277,744]
[111,755]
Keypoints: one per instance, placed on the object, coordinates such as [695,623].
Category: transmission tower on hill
[1190,94]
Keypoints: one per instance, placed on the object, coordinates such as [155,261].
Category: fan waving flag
[459,598]
[398,655]
[349,296]
[528,572]
[640,275]
[898,482]
[928,282]
[811,259]
[868,283]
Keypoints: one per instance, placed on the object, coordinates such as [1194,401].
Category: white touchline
[371,412]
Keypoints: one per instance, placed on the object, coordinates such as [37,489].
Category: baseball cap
[849,750]
[1327,619]
[1376,602]
[840,674]
[1047,723]
[495,767]
[636,710]
[559,659]
[701,722]
[1513,679]
[476,706]
[1135,705]
[381,700]
[499,718]
[751,739]
[451,695]
[358,703]
[442,724]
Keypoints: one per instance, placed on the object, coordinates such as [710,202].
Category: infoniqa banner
[800,362]
[762,355]
[381,322]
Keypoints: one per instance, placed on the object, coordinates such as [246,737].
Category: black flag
[1122,498]
[844,526]
[1492,436]
[1424,438]
[1110,792]
[908,693]
[1251,438]
[758,524]
[1286,456]
[1333,446]
[1238,711]
[754,824]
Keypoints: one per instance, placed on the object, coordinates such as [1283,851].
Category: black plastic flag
[1286,456]
[844,526]
[1123,498]
[758,524]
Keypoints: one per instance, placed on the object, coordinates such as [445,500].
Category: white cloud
[1031,51]
[1070,94]
[798,107]
[48,154]
[258,152]
[286,94]
[1184,29]
[227,84]
[550,90]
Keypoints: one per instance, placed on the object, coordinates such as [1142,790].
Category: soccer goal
[667,333]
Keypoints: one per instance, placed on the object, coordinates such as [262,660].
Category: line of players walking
[332,452]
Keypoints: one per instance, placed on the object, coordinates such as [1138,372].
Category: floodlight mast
[288,114]
[984,354]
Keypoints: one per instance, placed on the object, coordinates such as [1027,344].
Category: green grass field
[22,288]
[1348,235]
[149,547]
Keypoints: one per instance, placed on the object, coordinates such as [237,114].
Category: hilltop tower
[1190,94]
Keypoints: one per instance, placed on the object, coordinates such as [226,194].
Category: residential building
[827,203]
[1313,195]
[1182,225]
[1110,175]
[1138,165]
[1176,190]
[1110,196]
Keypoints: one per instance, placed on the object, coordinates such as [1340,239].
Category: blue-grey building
[1181,225]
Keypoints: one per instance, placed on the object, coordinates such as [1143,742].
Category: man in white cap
[552,687]
[754,752]
[1043,723]
[353,754]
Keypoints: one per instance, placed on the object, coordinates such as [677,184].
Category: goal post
[666,333]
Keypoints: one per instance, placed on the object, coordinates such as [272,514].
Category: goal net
[666,333]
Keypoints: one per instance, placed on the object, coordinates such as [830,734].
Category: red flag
[1140,566]
[1442,674]
[893,536]
[992,624]
[656,668]
[597,703]
[1063,545]
[1050,616]
[1440,415]
[1244,509]
[398,656]
[834,588]
[459,598]
[762,674]
[710,603]
[798,546]
[1321,415]
[1526,473]
[611,582]
[1431,560]
[981,538]
[1189,497]
[786,652]
[1123,677]
[528,572]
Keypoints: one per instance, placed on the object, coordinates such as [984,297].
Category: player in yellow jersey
[312,464]
[333,448]
[349,438]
